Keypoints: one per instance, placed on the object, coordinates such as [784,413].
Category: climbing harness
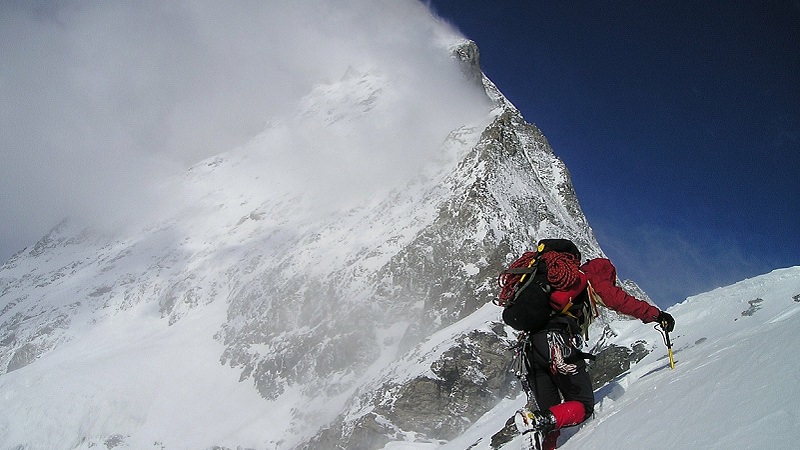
[559,352]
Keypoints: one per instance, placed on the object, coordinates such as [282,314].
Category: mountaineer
[551,299]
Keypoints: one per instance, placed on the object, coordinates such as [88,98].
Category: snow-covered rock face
[359,306]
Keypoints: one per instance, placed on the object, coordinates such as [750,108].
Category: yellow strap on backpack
[566,310]
[525,275]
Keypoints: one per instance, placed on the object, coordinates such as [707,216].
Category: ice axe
[664,331]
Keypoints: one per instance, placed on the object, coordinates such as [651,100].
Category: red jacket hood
[600,268]
[603,276]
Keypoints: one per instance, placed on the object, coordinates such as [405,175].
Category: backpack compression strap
[512,279]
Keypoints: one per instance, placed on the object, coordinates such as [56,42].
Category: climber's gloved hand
[666,321]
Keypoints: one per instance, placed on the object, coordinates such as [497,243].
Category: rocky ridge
[518,191]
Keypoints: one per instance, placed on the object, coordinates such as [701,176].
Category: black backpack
[525,291]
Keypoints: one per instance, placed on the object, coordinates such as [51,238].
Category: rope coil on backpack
[510,280]
[562,269]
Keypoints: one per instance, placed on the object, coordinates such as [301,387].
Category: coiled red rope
[562,269]
[508,281]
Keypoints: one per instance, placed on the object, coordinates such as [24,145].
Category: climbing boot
[541,421]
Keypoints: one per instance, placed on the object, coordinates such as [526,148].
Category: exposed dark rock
[467,380]
[505,435]
[755,305]
[22,357]
[610,362]
[469,54]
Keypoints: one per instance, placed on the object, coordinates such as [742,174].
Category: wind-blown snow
[137,376]
[121,370]
[115,335]
[734,384]
[102,100]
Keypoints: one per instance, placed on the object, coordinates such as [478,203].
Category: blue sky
[679,122]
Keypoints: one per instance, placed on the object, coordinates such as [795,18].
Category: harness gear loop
[520,366]
[560,351]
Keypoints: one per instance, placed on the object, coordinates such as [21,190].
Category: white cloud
[100,99]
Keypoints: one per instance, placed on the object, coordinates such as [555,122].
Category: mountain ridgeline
[364,325]
[507,191]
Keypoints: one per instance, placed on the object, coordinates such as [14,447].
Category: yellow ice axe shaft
[671,359]
[669,346]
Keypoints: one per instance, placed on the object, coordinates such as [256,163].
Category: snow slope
[136,375]
[734,384]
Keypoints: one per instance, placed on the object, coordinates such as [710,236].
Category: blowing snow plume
[101,101]
[219,136]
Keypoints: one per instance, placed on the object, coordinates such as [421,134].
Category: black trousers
[550,388]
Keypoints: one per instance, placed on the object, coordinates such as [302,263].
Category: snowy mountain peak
[327,282]
[379,201]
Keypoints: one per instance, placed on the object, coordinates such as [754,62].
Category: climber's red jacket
[603,277]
